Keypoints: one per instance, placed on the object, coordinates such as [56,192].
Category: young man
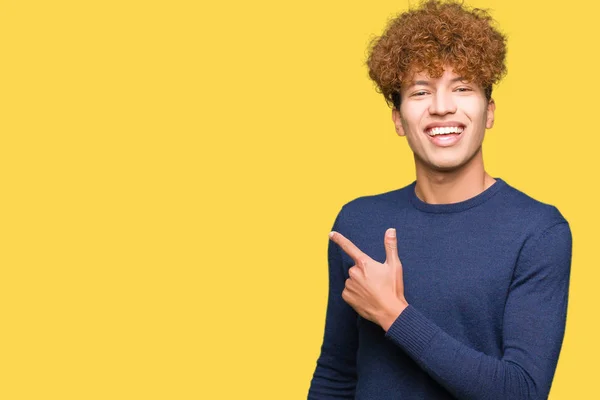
[456,285]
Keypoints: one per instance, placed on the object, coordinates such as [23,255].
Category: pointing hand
[374,290]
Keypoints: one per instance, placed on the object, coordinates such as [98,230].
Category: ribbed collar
[455,207]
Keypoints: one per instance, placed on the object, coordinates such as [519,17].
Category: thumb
[391,247]
[392,259]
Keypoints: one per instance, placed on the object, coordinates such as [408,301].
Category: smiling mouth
[445,130]
[445,136]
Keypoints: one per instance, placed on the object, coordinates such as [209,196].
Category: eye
[463,89]
[419,93]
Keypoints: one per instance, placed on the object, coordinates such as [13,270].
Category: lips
[444,134]
[444,127]
[444,130]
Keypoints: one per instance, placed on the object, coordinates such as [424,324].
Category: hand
[374,290]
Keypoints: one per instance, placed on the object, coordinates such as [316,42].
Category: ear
[398,122]
[491,107]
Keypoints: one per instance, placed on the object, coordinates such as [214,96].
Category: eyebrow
[427,83]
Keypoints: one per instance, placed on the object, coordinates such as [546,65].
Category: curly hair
[435,35]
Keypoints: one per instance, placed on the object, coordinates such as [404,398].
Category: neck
[445,187]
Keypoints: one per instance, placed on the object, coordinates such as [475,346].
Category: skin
[444,175]
[374,290]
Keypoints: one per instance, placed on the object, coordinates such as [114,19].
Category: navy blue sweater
[487,283]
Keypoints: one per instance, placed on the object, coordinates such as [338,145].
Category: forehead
[448,75]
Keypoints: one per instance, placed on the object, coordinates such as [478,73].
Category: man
[456,285]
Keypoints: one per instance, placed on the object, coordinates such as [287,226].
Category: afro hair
[435,35]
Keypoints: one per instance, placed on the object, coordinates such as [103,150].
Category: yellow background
[170,170]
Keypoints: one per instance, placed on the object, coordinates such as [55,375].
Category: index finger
[350,248]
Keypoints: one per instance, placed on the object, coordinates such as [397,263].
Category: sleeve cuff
[412,332]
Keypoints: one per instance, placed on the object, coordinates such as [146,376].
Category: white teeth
[444,130]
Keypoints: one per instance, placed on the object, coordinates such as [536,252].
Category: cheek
[415,142]
[412,115]
[476,112]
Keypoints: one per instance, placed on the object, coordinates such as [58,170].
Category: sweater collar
[455,207]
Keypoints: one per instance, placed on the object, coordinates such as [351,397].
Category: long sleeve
[335,373]
[533,330]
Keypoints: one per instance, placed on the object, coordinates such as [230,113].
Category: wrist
[391,313]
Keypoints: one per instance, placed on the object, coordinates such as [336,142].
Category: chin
[443,164]
[446,165]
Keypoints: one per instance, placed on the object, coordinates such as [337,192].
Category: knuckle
[345,294]
[352,272]
[362,261]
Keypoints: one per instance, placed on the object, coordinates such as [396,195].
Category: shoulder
[536,216]
[544,231]
[372,206]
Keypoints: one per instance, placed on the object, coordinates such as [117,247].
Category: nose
[442,103]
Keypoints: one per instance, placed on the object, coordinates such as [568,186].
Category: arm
[534,325]
[335,374]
